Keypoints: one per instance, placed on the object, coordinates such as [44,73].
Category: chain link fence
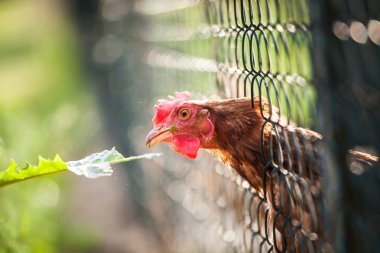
[277,50]
[252,48]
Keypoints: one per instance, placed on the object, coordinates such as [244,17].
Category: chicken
[266,150]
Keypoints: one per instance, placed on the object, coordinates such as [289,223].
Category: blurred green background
[74,80]
[46,108]
[78,77]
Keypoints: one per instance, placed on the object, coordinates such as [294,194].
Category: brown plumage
[278,159]
[272,158]
[238,141]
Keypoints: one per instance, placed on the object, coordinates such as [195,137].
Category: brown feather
[275,158]
[238,141]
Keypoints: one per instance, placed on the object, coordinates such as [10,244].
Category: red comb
[165,107]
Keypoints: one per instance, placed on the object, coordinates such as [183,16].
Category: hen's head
[184,124]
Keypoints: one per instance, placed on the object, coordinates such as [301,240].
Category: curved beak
[159,135]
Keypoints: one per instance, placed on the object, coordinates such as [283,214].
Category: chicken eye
[184,114]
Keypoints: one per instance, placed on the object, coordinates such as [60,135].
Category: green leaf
[92,166]
[15,174]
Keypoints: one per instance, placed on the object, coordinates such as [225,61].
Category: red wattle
[186,145]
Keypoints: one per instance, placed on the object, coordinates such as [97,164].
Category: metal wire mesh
[255,48]
[248,48]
